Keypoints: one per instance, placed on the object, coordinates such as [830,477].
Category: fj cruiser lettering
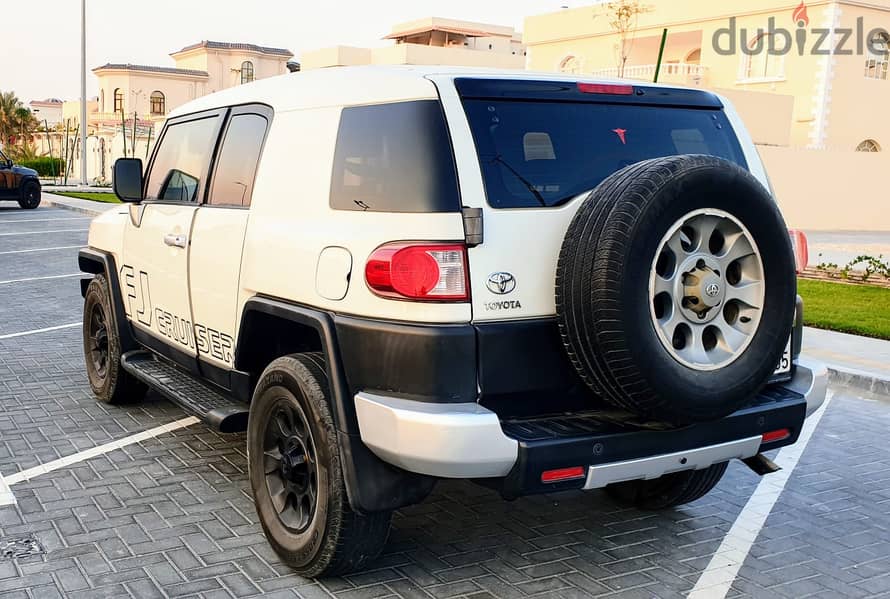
[389,276]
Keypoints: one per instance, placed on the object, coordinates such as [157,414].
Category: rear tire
[30,197]
[669,490]
[110,383]
[296,474]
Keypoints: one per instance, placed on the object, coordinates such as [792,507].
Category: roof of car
[344,86]
[374,84]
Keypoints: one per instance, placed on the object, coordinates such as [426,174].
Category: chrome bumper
[466,440]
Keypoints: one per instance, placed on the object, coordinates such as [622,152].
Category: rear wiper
[528,184]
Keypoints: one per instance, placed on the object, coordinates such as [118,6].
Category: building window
[118,100]
[694,57]
[158,103]
[570,64]
[760,63]
[246,71]
[878,61]
[869,145]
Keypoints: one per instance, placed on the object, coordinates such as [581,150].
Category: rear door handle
[174,240]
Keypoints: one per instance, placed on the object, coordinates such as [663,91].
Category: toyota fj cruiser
[390,276]
[19,183]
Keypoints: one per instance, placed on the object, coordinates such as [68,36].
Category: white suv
[389,276]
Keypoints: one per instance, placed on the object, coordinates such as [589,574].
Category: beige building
[133,99]
[431,41]
[202,68]
[48,112]
[762,46]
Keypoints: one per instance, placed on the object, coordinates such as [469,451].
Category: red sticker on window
[622,135]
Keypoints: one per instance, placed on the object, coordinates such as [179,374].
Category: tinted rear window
[394,158]
[537,154]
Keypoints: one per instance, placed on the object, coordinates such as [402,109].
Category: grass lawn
[108,198]
[856,309]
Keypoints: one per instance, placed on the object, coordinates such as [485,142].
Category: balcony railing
[687,74]
[115,117]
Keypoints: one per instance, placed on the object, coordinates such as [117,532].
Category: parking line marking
[716,580]
[39,232]
[59,247]
[25,475]
[77,274]
[6,496]
[43,220]
[35,331]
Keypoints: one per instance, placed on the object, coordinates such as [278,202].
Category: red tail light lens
[419,271]
[563,474]
[779,435]
[801,249]
[606,88]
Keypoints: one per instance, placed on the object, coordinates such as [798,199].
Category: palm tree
[16,121]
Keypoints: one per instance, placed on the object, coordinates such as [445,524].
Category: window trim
[262,110]
[161,98]
[252,72]
[118,106]
[202,184]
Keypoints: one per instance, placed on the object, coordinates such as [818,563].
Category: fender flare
[372,485]
[97,262]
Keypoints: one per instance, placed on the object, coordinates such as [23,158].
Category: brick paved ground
[172,516]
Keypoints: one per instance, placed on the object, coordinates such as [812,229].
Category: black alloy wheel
[291,468]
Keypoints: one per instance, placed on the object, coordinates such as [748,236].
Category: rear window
[394,158]
[536,154]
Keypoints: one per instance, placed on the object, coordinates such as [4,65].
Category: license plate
[784,366]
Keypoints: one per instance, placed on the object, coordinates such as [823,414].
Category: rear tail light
[419,271]
[562,474]
[801,249]
[779,435]
[606,88]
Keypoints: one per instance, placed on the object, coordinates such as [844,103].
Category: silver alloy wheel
[706,289]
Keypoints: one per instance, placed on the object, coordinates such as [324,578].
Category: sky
[42,49]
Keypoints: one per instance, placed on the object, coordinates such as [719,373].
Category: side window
[238,160]
[394,158]
[182,160]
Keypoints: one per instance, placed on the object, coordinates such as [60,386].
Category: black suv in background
[19,183]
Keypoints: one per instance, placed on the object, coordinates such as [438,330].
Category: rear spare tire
[675,288]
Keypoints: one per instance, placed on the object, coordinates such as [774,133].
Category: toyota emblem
[501,283]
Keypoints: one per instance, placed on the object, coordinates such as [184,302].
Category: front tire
[296,474]
[30,197]
[669,490]
[110,383]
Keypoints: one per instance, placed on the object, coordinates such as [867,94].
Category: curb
[89,211]
[859,379]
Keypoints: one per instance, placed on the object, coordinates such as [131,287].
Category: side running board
[225,414]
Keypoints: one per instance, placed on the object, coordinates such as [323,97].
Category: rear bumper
[466,440]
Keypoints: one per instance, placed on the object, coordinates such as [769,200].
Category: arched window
[570,64]
[158,103]
[869,145]
[118,100]
[101,100]
[246,71]
[760,63]
[878,61]
[694,57]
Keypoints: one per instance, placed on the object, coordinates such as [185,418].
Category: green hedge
[45,166]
